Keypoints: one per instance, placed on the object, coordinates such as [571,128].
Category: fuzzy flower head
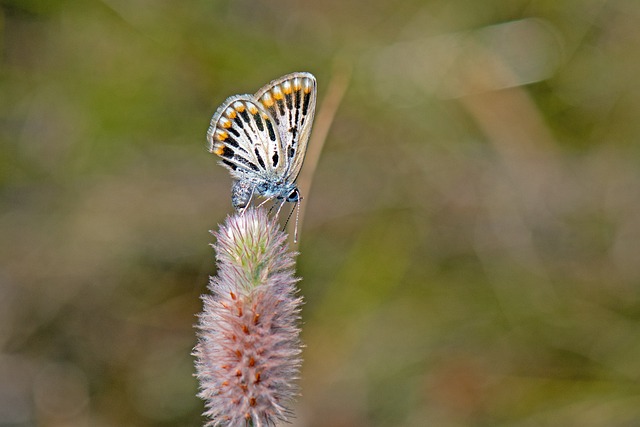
[248,351]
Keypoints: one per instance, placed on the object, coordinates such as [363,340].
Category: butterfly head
[294,195]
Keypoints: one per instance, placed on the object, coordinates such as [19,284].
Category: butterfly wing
[291,101]
[245,137]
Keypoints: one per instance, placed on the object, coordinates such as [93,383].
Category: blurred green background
[470,249]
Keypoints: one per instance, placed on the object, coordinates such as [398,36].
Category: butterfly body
[243,189]
[262,139]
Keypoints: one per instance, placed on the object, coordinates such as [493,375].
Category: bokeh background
[470,249]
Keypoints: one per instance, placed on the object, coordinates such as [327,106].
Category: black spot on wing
[298,96]
[289,98]
[275,159]
[292,152]
[272,132]
[280,104]
[237,121]
[245,116]
[231,165]
[246,162]
[233,131]
[231,141]
[227,152]
[258,121]
[305,104]
[259,157]
[297,117]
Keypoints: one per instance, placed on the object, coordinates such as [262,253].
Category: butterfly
[262,139]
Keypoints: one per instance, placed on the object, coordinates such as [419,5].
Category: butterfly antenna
[295,232]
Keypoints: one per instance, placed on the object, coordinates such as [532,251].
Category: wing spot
[292,152]
[221,135]
[289,98]
[298,99]
[229,164]
[239,106]
[223,151]
[255,150]
[307,85]
[305,105]
[297,117]
[277,93]
[258,121]
[245,116]
[247,163]
[218,149]
[280,103]
[225,123]
[275,159]
[232,142]
[267,100]
[272,133]
[286,87]
[230,113]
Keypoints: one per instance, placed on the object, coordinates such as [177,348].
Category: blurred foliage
[470,249]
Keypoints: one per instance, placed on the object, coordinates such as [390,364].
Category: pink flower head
[248,351]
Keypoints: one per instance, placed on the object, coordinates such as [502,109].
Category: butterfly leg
[280,207]
[295,230]
[265,201]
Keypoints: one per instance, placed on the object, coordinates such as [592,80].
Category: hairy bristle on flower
[248,350]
